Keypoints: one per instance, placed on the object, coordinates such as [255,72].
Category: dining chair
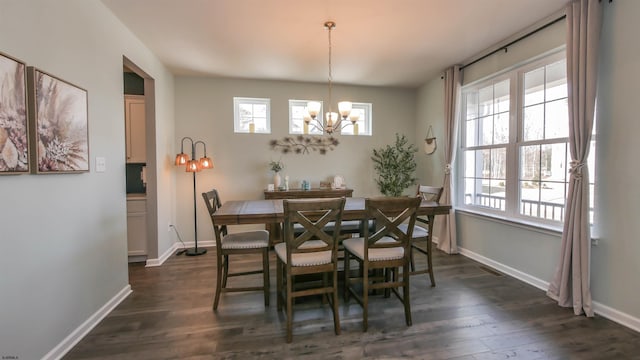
[385,250]
[422,240]
[247,242]
[313,251]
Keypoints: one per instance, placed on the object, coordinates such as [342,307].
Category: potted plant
[276,167]
[395,166]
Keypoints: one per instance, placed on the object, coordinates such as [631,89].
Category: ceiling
[401,43]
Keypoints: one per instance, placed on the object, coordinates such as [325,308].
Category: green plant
[276,166]
[395,166]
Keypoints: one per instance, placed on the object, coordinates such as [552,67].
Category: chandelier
[332,121]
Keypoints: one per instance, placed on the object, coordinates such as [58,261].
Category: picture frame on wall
[58,117]
[14,125]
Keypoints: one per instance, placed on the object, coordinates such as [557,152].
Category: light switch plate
[101,164]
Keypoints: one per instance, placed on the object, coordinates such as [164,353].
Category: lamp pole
[194,166]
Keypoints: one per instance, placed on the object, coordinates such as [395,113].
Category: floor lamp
[193,166]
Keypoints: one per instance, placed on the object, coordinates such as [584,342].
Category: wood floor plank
[473,313]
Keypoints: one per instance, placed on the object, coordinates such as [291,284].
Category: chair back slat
[213,202]
[389,213]
[312,215]
[429,193]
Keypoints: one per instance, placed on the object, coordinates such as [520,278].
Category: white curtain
[447,240]
[570,284]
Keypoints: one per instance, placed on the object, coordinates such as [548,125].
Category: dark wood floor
[473,313]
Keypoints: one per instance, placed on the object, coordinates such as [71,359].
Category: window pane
[471,133]
[534,87]
[470,164]
[501,94]
[544,199]
[557,119]
[485,96]
[498,164]
[472,105]
[501,129]
[556,87]
[469,191]
[553,164]
[486,137]
[533,123]
[530,162]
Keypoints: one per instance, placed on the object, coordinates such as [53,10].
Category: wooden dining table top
[237,212]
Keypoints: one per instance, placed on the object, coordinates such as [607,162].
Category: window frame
[513,195]
[365,126]
[312,130]
[237,126]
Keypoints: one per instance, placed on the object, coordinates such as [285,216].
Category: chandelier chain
[330,73]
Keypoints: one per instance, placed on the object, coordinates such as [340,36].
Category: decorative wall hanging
[304,144]
[14,139]
[430,142]
[58,117]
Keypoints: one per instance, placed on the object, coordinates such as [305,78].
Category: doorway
[141,163]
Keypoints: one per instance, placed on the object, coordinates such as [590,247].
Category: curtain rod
[504,47]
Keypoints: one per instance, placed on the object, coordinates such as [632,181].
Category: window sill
[523,224]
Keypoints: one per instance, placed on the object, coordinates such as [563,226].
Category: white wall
[616,260]
[430,112]
[534,254]
[204,111]
[63,237]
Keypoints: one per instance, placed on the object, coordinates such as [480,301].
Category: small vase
[276,181]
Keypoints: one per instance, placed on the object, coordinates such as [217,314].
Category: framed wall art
[58,117]
[14,127]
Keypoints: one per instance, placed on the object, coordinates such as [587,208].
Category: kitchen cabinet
[135,127]
[137,226]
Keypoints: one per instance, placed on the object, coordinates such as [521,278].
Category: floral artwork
[59,120]
[14,147]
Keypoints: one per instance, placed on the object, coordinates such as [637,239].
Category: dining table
[271,212]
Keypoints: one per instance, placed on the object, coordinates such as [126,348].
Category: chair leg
[345,293]
[265,275]
[406,298]
[413,263]
[325,284]
[218,282]
[365,298]
[289,309]
[279,275]
[226,271]
[336,313]
[430,264]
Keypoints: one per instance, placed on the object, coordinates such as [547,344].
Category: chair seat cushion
[418,231]
[246,240]
[356,247]
[305,259]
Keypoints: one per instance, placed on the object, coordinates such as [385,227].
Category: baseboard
[167,254]
[81,331]
[159,261]
[531,280]
[605,311]
[612,314]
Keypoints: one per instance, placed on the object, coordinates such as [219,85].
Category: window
[251,115]
[297,110]
[514,143]
[364,121]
